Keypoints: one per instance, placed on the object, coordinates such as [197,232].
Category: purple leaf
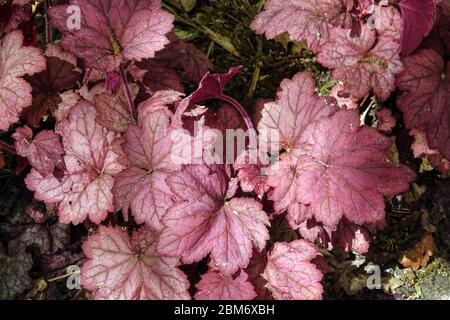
[290,274]
[121,267]
[310,20]
[216,286]
[365,63]
[91,165]
[112,32]
[418,18]
[206,220]
[425,98]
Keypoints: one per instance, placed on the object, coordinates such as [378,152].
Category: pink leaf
[344,100]
[69,99]
[295,108]
[16,61]
[330,167]
[352,238]
[388,22]
[121,267]
[91,165]
[204,220]
[44,152]
[421,148]
[284,180]
[418,18]
[48,189]
[290,273]
[286,119]
[161,100]
[142,187]
[313,231]
[309,20]
[23,139]
[363,63]
[113,79]
[56,51]
[251,174]
[89,94]
[344,170]
[348,236]
[215,286]
[386,121]
[112,32]
[425,100]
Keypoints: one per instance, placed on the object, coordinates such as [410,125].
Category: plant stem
[63,276]
[239,108]
[6,147]
[255,79]
[244,115]
[372,104]
[131,106]
[48,27]
[87,76]
[182,107]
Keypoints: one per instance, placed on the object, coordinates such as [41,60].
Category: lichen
[429,283]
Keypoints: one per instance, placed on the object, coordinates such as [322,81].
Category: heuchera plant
[109,163]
